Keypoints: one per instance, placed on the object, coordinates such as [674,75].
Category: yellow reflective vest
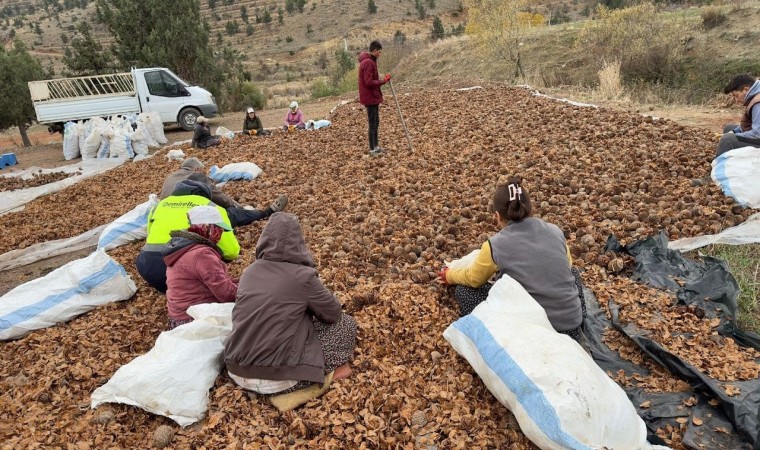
[170,214]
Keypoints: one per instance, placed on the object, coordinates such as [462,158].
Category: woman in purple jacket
[195,272]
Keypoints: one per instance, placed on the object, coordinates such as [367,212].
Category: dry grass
[610,85]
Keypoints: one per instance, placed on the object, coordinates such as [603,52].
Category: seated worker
[746,91]
[252,124]
[170,214]
[531,251]
[294,118]
[195,272]
[288,330]
[202,134]
[193,169]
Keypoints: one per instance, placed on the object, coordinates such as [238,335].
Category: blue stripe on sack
[722,178]
[229,176]
[117,232]
[88,283]
[528,394]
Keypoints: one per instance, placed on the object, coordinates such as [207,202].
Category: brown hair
[519,207]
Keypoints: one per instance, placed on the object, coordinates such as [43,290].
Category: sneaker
[249,207]
[279,204]
[377,151]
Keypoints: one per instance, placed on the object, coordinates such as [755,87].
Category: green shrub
[712,17]
[242,94]
[321,88]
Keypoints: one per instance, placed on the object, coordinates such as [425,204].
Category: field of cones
[379,227]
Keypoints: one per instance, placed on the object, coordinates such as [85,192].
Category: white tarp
[63,294]
[747,232]
[89,168]
[174,377]
[737,172]
[44,250]
[560,397]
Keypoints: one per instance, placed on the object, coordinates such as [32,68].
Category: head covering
[294,104]
[282,240]
[250,110]
[202,215]
[192,187]
[201,119]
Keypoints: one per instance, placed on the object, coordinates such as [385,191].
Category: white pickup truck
[141,90]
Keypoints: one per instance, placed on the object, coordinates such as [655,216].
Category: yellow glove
[252,132]
[291,127]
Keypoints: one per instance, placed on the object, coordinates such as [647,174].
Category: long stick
[401,116]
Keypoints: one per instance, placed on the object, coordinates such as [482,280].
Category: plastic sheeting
[747,232]
[708,285]
[44,250]
[89,168]
[736,172]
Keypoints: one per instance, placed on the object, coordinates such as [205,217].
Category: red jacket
[369,80]
[195,274]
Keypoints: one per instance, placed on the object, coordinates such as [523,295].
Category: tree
[249,30]
[438,32]
[244,13]
[499,27]
[290,6]
[86,55]
[371,7]
[150,33]
[280,15]
[212,4]
[421,13]
[266,18]
[232,27]
[17,68]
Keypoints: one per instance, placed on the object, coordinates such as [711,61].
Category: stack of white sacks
[114,138]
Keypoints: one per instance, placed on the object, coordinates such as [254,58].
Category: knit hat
[201,215]
[250,110]
[294,104]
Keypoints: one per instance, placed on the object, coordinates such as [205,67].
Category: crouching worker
[195,272]
[746,91]
[252,124]
[202,137]
[170,214]
[294,118]
[288,330]
[531,251]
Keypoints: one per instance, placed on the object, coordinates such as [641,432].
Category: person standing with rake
[370,94]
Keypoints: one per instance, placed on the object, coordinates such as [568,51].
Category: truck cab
[161,90]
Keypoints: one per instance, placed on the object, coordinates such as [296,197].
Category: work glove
[442,276]
[291,128]
[387,77]
[252,132]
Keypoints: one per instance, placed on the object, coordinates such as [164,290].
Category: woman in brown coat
[288,330]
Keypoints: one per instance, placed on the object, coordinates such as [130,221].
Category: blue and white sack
[235,171]
[560,397]
[129,227]
[63,294]
[736,172]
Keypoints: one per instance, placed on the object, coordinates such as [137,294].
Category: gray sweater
[534,253]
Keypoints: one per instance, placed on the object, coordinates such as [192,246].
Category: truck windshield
[162,84]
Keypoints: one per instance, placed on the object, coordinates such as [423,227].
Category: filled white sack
[235,171]
[736,172]
[121,145]
[139,141]
[174,377]
[560,397]
[71,131]
[129,227]
[224,132]
[156,126]
[63,294]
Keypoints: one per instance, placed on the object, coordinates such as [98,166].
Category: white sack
[121,145]
[84,132]
[63,294]
[44,250]
[157,127]
[144,122]
[235,171]
[175,155]
[747,232]
[317,124]
[139,141]
[93,142]
[224,132]
[174,377]
[129,227]
[70,140]
[560,397]
[737,172]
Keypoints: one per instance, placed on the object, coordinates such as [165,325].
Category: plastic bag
[64,293]
[235,171]
[510,343]
[174,377]
[225,133]
[139,141]
[175,155]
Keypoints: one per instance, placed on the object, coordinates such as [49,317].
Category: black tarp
[708,285]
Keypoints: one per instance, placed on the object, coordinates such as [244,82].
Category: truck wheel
[187,118]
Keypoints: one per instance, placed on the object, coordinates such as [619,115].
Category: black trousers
[373,117]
